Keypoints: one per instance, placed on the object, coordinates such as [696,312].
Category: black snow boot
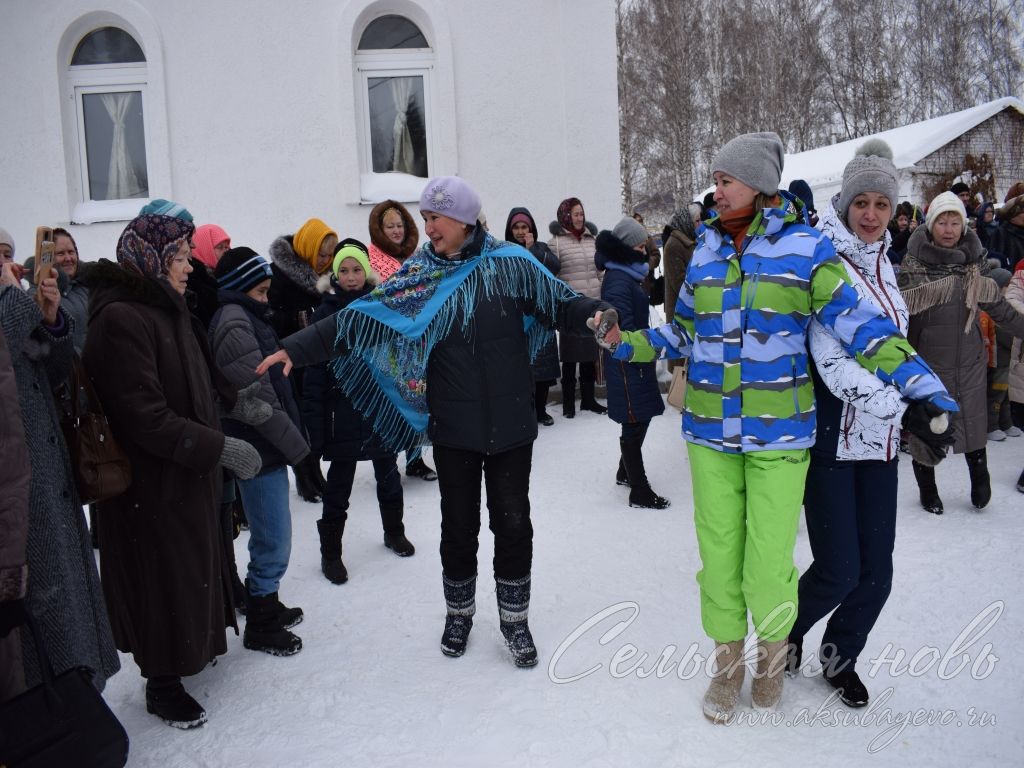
[981,486]
[513,609]
[460,600]
[569,398]
[286,617]
[640,492]
[167,698]
[849,686]
[330,550]
[1020,482]
[587,400]
[540,401]
[925,477]
[394,529]
[263,632]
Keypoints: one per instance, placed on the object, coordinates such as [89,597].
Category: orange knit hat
[308,239]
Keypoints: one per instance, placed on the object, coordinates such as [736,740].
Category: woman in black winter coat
[521,228]
[442,350]
[340,433]
[297,262]
[633,394]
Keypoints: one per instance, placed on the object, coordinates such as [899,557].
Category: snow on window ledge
[377,187]
[94,211]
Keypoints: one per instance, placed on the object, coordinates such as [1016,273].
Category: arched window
[393,62]
[107,76]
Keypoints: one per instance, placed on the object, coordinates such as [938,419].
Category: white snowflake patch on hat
[440,198]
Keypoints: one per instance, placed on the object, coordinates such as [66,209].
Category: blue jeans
[265,499]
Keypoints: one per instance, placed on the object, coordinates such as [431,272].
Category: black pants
[588,372]
[340,477]
[507,477]
[851,523]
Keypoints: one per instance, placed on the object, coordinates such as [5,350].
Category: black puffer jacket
[480,392]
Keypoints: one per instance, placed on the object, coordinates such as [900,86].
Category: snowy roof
[910,143]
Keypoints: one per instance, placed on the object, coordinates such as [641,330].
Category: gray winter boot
[724,691]
[513,607]
[766,690]
[460,598]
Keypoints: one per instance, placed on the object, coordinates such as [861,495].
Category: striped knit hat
[241,269]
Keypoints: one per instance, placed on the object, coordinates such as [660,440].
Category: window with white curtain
[108,79]
[394,62]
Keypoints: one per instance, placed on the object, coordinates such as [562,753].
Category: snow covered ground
[371,687]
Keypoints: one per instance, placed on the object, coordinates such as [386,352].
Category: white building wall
[259,100]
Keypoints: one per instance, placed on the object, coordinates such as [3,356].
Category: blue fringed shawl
[390,332]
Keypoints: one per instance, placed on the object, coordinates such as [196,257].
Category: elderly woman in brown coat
[944,281]
[63,594]
[164,574]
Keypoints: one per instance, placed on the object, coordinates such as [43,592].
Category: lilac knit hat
[452,197]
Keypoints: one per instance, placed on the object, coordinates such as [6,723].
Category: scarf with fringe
[932,275]
[391,332]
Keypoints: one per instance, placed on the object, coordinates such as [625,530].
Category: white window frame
[145,76]
[398,62]
[94,87]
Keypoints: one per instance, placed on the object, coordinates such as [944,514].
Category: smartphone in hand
[44,254]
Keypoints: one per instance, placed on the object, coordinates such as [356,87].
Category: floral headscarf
[149,242]
[564,217]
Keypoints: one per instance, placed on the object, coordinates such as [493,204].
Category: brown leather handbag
[102,470]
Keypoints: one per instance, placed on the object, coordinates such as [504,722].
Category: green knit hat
[350,248]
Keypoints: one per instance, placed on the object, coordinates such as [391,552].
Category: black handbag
[63,721]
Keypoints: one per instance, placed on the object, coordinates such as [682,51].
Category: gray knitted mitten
[241,458]
[249,409]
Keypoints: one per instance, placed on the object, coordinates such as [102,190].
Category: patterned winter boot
[513,607]
[766,690]
[724,691]
[460,598]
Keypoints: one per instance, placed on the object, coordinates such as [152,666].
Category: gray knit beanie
[871,170]
[630,232]
[753,158]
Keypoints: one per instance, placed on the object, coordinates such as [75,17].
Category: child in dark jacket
[634,397]
[240,333]
[340,434]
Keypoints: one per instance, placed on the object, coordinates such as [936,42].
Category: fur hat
[1013,204]
[630,232]
[452,197]
[753,158]
[871,170]
[407,247]
[943,203]
[241,269]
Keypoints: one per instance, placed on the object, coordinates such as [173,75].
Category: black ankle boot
[925,477]
[587,400]
[263,631]
[981,486]
[330,550]
[513,609]
[167,698]
[621,478]
[419,468]
[640,492]
[460,601]
[398,544]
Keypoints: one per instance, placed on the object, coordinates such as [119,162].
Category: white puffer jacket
[1015,295]
[577,259]
[872,410]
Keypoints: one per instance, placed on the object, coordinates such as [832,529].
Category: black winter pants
[342,474]
[851,523]
[507,478]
